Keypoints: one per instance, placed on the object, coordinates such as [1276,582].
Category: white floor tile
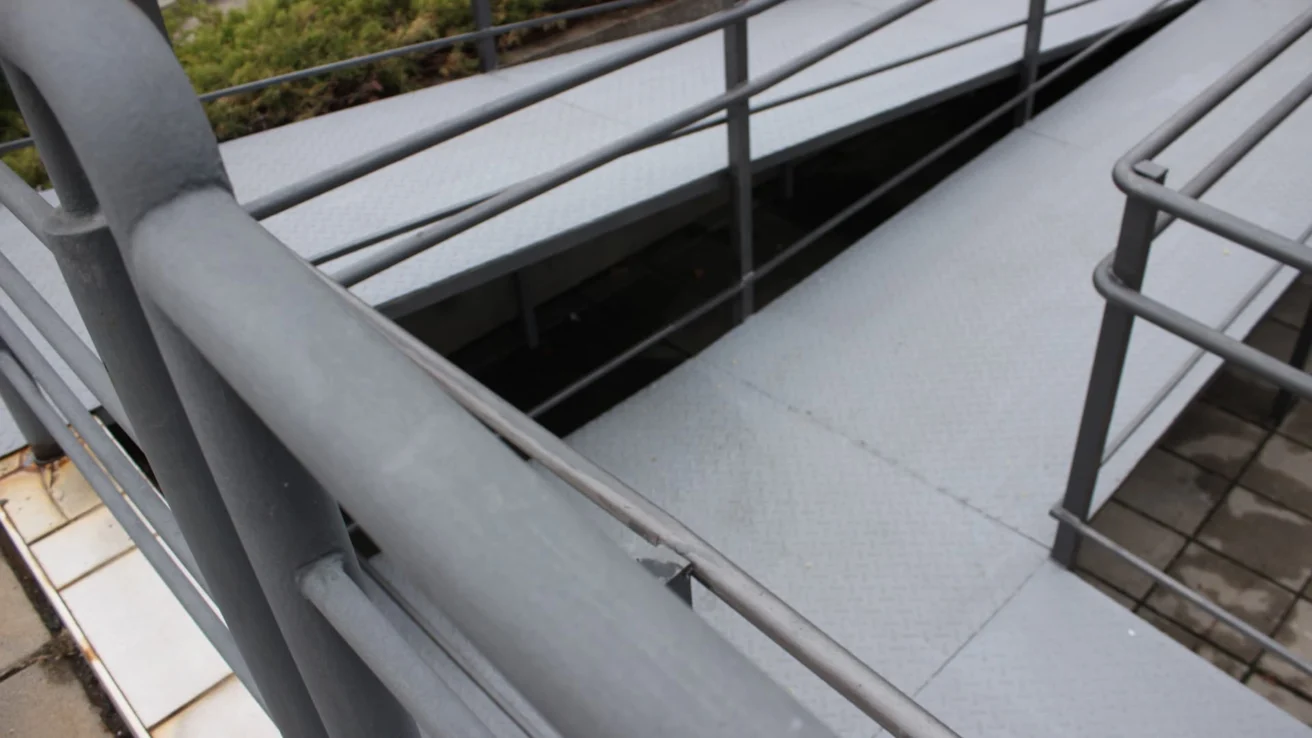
[227,710]
[156,654]
[25,500]
[69,489]
[81,546]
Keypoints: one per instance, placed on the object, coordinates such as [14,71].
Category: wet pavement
[1224,504]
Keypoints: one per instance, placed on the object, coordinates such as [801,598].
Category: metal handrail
[226,316]
[1150,208]
[447,42]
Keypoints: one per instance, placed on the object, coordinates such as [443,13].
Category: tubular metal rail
[1150,207]
[253,382]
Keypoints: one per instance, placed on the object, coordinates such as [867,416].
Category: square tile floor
[1224,504]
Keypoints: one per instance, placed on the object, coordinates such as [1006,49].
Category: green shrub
[271,37]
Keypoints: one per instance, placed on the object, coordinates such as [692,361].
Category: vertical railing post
[1029,62]
[286,522]
[487,47]
[1285,399]
[97,278]
[740,163]
[43,445]
[1128,264]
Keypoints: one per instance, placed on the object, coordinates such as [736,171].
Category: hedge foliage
[269,37]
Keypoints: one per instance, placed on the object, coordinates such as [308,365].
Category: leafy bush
[271,37]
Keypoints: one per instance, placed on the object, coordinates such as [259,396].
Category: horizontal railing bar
[17,144]
[138,489]
[678,324]
[697,128]
[1227,225]
[349,171]
[337,66]
[833,222]
[1232,350]
[812,647]
[85,365]
[173,577]
[33,211]
[416,48]
[437,710]
[1215,93]
[1216,611]
[434,501]
[880,69]
[528,189]
[382,235]
[1209,175]
[471,663]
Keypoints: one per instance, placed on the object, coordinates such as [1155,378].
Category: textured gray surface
[552,132]
[1063,660]
[869,552]
[949,350]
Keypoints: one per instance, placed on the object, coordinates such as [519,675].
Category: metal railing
[254,383]
[484,38]
[1150,207]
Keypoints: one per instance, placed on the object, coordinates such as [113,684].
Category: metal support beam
[1131,260]
[187,595]
[528,317]
[1029,62]
[98,280]
[44,447]
[1284,401]
[487,46]
[327,585]
[740,163]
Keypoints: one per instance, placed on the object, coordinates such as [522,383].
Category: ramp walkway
[559,129]
[883,443]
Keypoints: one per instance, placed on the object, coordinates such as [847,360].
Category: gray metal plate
[1061,659]
[898,572]
[555,131]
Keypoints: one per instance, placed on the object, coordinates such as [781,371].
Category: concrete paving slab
[46,700]
[1214,439]
[1153,542]
[21,629]
[1296,634]
[1172,491]
[1259,602]
[1282,471]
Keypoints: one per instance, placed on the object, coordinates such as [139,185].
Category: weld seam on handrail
[1211,608]
[836,220]
[838,667]
[138,489]
[1199,334]
[1210,174]
[413,143]
[32,211]
[399,251]
[173,577]
[438,710]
